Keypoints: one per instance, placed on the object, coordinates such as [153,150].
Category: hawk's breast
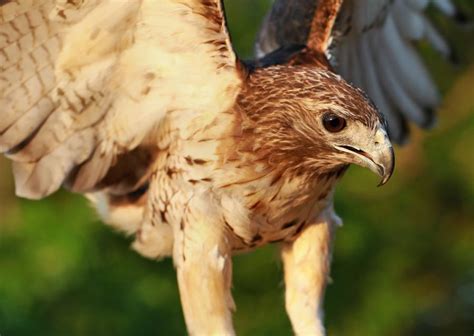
[279,207]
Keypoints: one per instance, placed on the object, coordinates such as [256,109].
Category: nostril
[376,143]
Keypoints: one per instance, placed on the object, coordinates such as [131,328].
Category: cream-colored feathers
[84,81]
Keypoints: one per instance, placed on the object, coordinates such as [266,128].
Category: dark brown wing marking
[322,24]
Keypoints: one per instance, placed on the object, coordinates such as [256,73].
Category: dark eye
[333,123]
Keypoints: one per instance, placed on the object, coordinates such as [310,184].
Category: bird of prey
[144,107]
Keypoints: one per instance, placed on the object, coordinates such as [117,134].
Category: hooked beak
[385,165]
[377,155]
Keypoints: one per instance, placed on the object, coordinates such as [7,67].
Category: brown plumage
[177,142]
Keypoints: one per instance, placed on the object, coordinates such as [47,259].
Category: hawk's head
[309,118]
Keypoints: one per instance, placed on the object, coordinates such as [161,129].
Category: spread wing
[373,49]
[85,83]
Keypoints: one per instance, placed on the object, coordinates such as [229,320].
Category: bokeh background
[403,262]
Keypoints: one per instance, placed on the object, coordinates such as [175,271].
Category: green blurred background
[403,262]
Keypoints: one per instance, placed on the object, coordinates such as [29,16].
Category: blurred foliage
[403,262]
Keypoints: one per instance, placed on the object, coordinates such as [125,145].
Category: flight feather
[84,82]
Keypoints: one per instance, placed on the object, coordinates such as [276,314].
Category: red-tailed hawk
[144,107]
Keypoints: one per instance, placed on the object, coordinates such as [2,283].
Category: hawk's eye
[333,123]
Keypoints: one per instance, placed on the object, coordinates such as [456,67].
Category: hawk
[144,107]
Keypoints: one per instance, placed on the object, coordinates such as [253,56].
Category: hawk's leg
[203,263]
[306,262]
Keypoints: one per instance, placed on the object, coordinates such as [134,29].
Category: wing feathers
[410,71]
[446,6]
[83,82]
[39,179]
[25,125]
[409,23]
[407,87]
[436,40]
[367,14]
[320,33]
[374,86]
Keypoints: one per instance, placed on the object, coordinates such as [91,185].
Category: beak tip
[386,174]
[384,180]
[386,170]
